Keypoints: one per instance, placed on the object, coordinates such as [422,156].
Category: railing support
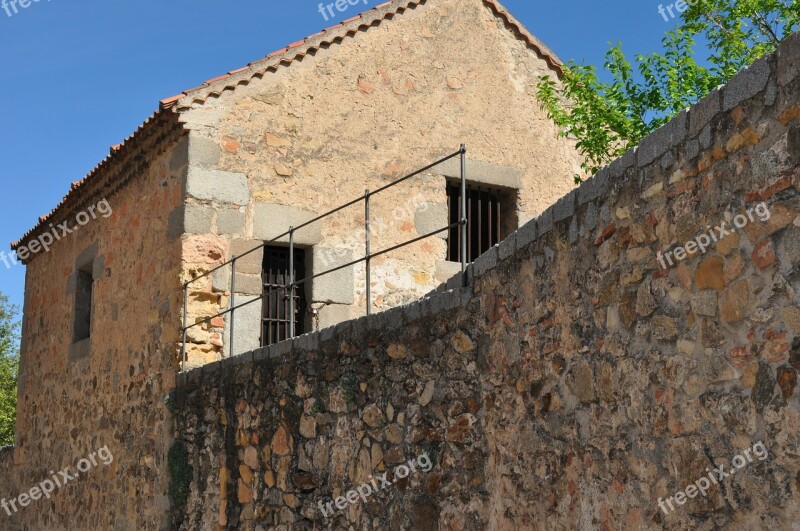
[233,303]
[185,323]
[463,217]
[367,244]
[291,282]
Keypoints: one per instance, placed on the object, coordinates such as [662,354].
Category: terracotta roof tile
[314,42]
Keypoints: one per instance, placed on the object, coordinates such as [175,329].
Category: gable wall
[367,110]
[75,400]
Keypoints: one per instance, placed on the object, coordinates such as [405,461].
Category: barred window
[275,306]
[488,212]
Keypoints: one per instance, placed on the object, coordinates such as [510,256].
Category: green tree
[9,367]
[713,40]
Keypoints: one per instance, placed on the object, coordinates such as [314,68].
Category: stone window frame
[506,180]
[334,290]
[89,262]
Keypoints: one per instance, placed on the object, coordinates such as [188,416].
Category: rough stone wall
[369,109]
[574,382]
[73,402]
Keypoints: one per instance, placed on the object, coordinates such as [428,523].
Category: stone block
[248,284]
[446,269]
[180,154]
[662,139]
[705,137]
[337,287]
[692,149]
[98,266]
[617,168]
[87,256]
[282,349]
[526,234]
[80,349]
[197,219]
[333,314]
[230,221]
[203,151]
[430,217]
[565,207]
[271,220]
[703,112]
[214,185]
[594,187]
[789,59]
[250,263]
[573,230]
[544,223]
[221,279]
[746,84]
[455,282]
[247,327]
[307,342]
[485,262]
[483,173]
[591,217]
[393,318]
[175,222]
[508,247]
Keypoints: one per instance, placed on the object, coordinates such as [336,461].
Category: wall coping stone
[745,85]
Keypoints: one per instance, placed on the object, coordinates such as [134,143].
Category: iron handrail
[462,222]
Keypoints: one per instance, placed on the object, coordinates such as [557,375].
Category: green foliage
[608,118]
[9,369]
[180,474]
[317,408]
[169,401]
[349,386]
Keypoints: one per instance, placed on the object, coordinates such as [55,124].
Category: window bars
[292,283]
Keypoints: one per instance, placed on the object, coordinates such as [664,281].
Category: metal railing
[293,283]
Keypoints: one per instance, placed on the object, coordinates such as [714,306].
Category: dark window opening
[489,216]
[275,318]
[82,327]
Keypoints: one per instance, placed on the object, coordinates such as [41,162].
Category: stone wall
[575,381]
[109,390]
[393,96]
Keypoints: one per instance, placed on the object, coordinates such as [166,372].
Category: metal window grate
[278,311]
[275,317]
[484,219]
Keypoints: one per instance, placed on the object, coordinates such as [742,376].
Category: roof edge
[333,35]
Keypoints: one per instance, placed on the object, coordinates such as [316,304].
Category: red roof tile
[314,42]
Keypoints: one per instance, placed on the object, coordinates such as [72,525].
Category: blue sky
[80,76]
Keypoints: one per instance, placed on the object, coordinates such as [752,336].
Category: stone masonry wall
[354,116]
[574,383]
[77,398]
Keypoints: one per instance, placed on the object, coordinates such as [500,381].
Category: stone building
[223,167]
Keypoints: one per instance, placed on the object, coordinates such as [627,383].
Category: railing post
[185,323]
[291,282]
[367,244]
[463,209]
[233,302]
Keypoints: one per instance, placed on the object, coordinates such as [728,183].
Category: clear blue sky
[81,75]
